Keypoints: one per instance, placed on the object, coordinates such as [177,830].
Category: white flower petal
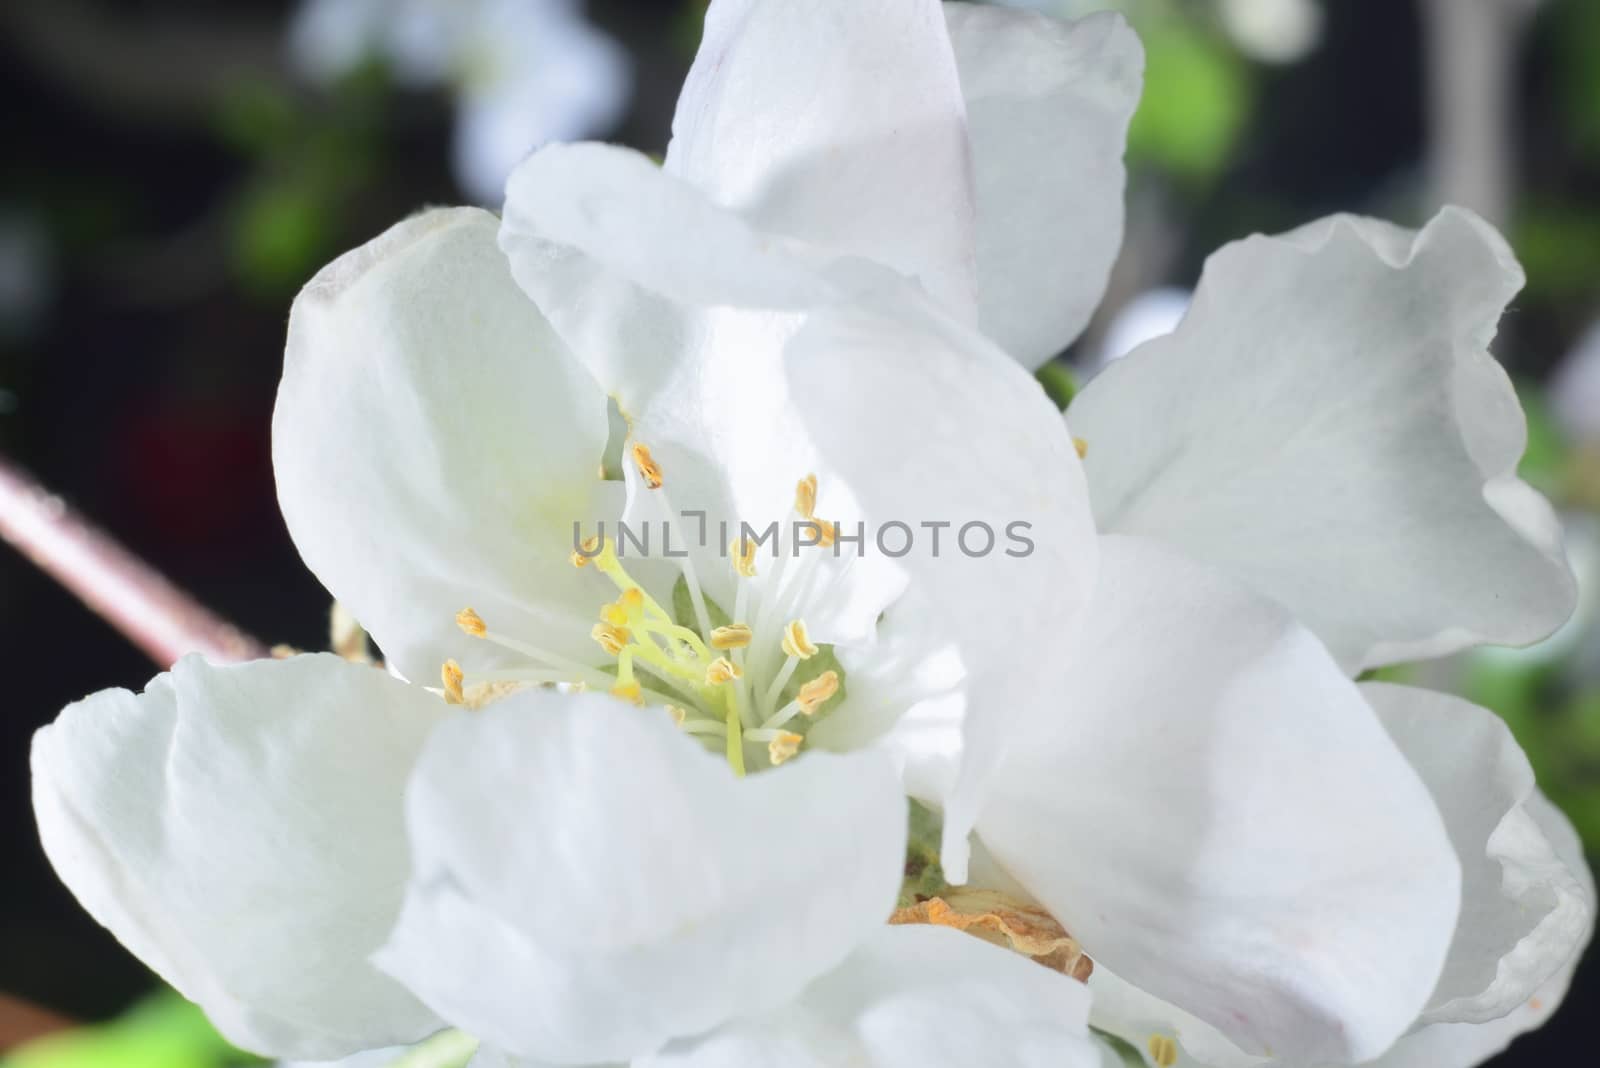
[1139,1018]
[838,122]
[1524,911]
[240,830]
[1131,1013]
[1327,425]
[490,1057]
[615,207]
[1048,104]
[385,1057]
[912,997]
[1463,1045]
[1217,815]
[589,883]
[434,444]
[928,422]
[680,310]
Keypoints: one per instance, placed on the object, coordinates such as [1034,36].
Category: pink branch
[125,591]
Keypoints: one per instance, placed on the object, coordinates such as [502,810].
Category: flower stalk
[147,609]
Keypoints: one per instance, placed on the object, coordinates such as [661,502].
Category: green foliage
[1544,462]
[163,1031]
[255,118]
[1196,94]
[1559,246]
[688,26]
[280,230]
[1575,26]
[309,158]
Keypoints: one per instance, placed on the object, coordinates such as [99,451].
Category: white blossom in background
[1574,389]
[524,72]
[653,810]
[1273,31]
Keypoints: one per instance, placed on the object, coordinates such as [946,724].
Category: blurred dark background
[175,170]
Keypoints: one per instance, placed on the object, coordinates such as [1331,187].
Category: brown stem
[22,1021]
[125,591]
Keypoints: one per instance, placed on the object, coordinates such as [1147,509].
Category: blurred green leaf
[280,232]
[257,117]
[1196,92]
[163,1031]
[1544,463]
[1575,26]
[1559,730]
[688,26]
[1559,246]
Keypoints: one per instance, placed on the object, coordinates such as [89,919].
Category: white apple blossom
[524,72]
[1146,724]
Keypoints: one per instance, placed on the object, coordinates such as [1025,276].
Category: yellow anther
[805,496]
[452,675]
[722,670]
[733,636]
[796,642]
[628,691]
[472,623]
[649,470]
[632,599]
[784,746]
[743,551]
[805,502]
[813,694]
[614,614]
[1082,447]
[612,639]
[590,547]
[678,714]
[1163,1051]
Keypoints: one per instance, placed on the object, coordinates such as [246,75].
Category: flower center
[749,683]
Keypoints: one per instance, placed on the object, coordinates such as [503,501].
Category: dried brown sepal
[997,919]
